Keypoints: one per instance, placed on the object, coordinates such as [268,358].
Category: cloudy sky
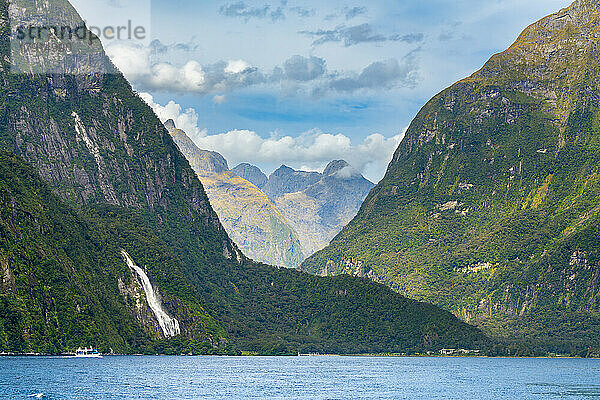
[302,83]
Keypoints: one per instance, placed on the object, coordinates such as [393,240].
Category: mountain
[108,238]
[250,218]
[318,205]
[251,173]
[490,207]
[290,215]
[200,160]
[286,180]
[65,284]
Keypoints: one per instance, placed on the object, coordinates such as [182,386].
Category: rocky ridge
[318,205]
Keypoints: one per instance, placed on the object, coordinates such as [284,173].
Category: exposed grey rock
[335,166]
[200,160]
[170,125]
[251,173]
[91,138]
[250,218]
[317,205]
[285,180]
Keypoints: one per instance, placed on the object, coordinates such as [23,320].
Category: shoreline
[33,355]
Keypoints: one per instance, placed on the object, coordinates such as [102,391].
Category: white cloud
[236,67]
[189,78]
[219,99]
[312,150]
[347,172]
[297,73]
[135,62]
[187,120]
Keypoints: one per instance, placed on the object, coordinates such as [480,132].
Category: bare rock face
[133,296]
[89,136]
[200,160]
[318,205]
[251,173]
[7,278]
[286,180]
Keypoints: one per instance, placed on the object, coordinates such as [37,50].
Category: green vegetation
[60,271]
[88,170]
[491,205]
[59,291]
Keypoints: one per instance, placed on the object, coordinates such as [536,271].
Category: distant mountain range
[318,205]
[250,218]
[251,174]
[283,218]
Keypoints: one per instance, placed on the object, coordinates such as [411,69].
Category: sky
[302,83]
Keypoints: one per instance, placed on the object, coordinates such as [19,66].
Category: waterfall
[169,326]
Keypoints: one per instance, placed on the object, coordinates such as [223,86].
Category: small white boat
[87,353]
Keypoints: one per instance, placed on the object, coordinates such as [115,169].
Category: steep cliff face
[64,284]
[252,221]
[286,180]
[209,162]
[489,207]
[318,205]
[93,140]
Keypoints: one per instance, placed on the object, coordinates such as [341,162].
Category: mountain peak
[283,170]
[552,49]
[251,173]
[335,166]
[170,125]
[211,161]
[201,161]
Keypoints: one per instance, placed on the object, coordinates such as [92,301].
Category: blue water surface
[315,377]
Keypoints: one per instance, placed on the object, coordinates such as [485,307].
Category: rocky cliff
[65,285]
[251,173]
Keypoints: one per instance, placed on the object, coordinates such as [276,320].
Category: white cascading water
[169,326]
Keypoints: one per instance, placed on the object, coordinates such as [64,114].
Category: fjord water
[318,377]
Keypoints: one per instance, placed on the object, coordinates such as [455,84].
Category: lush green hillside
[64,283]
[121,183]
[490,207]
